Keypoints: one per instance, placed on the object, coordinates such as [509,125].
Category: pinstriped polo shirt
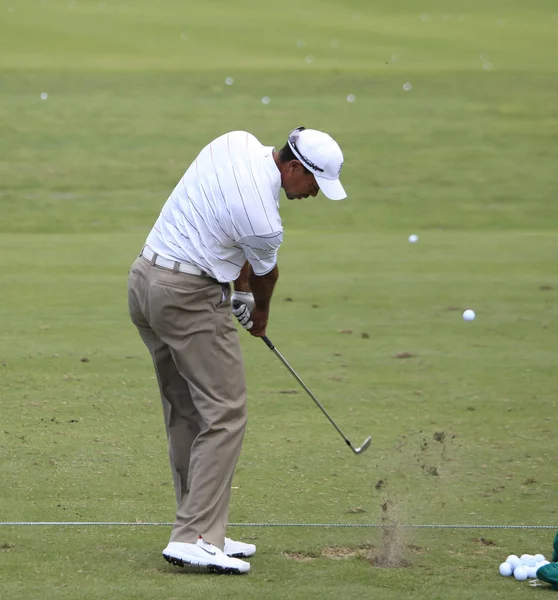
[224,210]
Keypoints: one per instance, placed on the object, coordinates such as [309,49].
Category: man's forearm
[242,282]
[262,287]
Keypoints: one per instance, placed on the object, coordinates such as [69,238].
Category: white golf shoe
[207,556]
[238,549]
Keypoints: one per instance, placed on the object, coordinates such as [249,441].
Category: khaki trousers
[185,321]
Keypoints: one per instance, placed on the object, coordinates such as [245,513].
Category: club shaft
[271,346]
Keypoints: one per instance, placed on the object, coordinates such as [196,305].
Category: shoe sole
[241,555]
[179,562]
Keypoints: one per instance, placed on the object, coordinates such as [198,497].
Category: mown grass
[462,427]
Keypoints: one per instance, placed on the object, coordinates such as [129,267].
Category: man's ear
[295,166]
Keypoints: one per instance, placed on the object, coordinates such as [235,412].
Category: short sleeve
[261,251]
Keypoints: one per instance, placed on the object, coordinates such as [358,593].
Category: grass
[462,427]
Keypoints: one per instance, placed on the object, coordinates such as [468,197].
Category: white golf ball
[469,315]
[520,573]
[528,560]
[532,572]
[506,569]
[413,238]
[514,561]
[44,96]
[539,557]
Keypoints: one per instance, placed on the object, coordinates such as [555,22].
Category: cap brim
[331,188]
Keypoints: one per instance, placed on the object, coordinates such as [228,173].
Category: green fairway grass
[461,414]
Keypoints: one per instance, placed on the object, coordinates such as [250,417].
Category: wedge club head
[362,447]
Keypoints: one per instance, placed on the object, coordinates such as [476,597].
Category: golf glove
[241,312]
[246,298]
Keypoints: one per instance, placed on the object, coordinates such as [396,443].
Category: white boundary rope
[154,524]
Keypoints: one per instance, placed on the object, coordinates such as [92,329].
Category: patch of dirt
[337,552]
[345,331]
[355,511]
[417,549]
[365,551]
[484,542]
[404,355]
[288,392]
[529,481]
[6,546]
[545,288]
[299,556]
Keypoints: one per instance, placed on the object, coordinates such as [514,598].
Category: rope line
[155,524]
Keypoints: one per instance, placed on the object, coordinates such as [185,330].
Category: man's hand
[252,311]
[259,318]
[246,298]
[242,313]
[255,322]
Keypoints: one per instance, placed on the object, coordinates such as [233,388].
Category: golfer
[220,225]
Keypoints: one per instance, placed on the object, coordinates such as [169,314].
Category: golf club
[271,346]
[364,444]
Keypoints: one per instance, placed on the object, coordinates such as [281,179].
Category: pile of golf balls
[522,567]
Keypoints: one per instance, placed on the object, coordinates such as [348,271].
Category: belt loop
[176,267]
[154,259]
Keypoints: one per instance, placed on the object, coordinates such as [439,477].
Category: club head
[363,446]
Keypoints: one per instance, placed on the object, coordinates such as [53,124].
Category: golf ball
[514,561]
[532,572]
[539,557]
[469,315]
[520,573]
[506,569]
[528,560]
[413,238]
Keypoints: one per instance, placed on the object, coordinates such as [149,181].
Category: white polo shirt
[224,210]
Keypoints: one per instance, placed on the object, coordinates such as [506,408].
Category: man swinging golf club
[221,224]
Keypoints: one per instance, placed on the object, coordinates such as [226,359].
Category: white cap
[321,155]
